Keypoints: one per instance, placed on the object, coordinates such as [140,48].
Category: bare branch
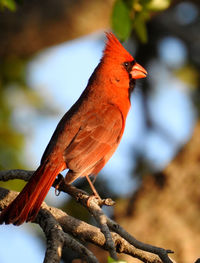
[101,219]
[56,238]
[83,199]
[57,226]
[162,253]
[15,174]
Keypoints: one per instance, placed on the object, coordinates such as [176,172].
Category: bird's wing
[95,141]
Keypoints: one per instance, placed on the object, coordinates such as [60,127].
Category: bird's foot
[57,183]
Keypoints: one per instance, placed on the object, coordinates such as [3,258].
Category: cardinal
[87,135]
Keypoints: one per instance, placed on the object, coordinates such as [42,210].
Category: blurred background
[48,51]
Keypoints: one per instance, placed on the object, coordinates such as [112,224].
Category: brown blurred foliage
[36,25]
[165,210]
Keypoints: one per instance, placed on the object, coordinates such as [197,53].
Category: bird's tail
[27,204]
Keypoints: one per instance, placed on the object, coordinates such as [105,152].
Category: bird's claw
[59,180]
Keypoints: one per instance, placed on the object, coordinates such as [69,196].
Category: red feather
[87,135]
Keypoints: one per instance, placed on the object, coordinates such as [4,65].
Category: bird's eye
[128,65]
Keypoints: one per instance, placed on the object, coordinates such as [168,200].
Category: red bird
[87,135]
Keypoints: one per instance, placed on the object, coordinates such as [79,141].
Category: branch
[92,207]
[59,226]
[56,238]
[15,174]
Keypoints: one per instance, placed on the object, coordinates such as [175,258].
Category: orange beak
[138,72]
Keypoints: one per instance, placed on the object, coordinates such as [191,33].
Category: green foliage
[111,260]
[132,15]
[15,95]
[9,4]
[121,20]
[158,5]
[11,140]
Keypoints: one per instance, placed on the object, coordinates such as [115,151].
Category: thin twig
[101,219]
[15,174]
[162,253]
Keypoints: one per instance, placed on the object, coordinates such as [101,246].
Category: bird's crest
[115,49]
